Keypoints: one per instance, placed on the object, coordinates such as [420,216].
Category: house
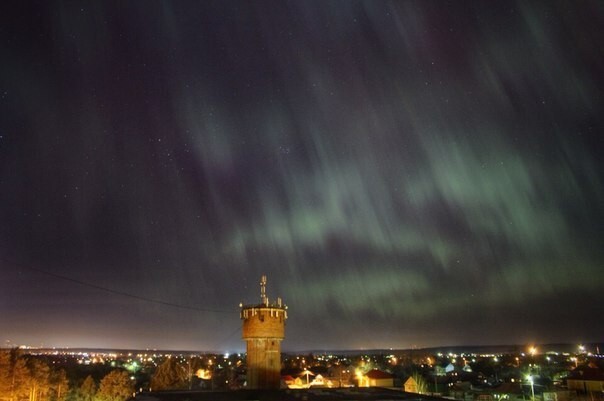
[586,379]
[411,385]
[376,378]
[508,391]
[461,391]
[320,381]
[288,380]
[559,395]
[444,369]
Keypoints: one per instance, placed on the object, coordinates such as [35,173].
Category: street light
[530,380]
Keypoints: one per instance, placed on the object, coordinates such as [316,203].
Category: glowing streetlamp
[532,382]
[359,376]
[307,373]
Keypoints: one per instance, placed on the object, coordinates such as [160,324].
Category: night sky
[405,173]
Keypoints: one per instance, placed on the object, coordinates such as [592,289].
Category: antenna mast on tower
[263,290]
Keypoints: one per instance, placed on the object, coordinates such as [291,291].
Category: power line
[224,341]
[116,292]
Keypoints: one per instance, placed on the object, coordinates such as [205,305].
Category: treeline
[27,378]
[173,374]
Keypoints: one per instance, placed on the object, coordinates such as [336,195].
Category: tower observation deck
[263,331]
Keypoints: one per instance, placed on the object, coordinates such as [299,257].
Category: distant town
[557,372]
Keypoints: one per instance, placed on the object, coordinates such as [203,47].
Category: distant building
[263,331]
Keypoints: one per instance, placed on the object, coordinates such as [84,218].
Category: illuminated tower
[263,331]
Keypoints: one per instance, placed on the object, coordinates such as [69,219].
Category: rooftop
[378,374]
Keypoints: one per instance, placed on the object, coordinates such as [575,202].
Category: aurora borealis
[406,173]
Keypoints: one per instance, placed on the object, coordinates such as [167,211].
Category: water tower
[263,331]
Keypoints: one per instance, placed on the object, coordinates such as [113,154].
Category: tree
[27,378]
[116,386]
[59,385]
[87,390]
[170,375]
[5,376]
[39,380]
[422,385]
[20,381]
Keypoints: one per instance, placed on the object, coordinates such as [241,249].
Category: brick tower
[263,331]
